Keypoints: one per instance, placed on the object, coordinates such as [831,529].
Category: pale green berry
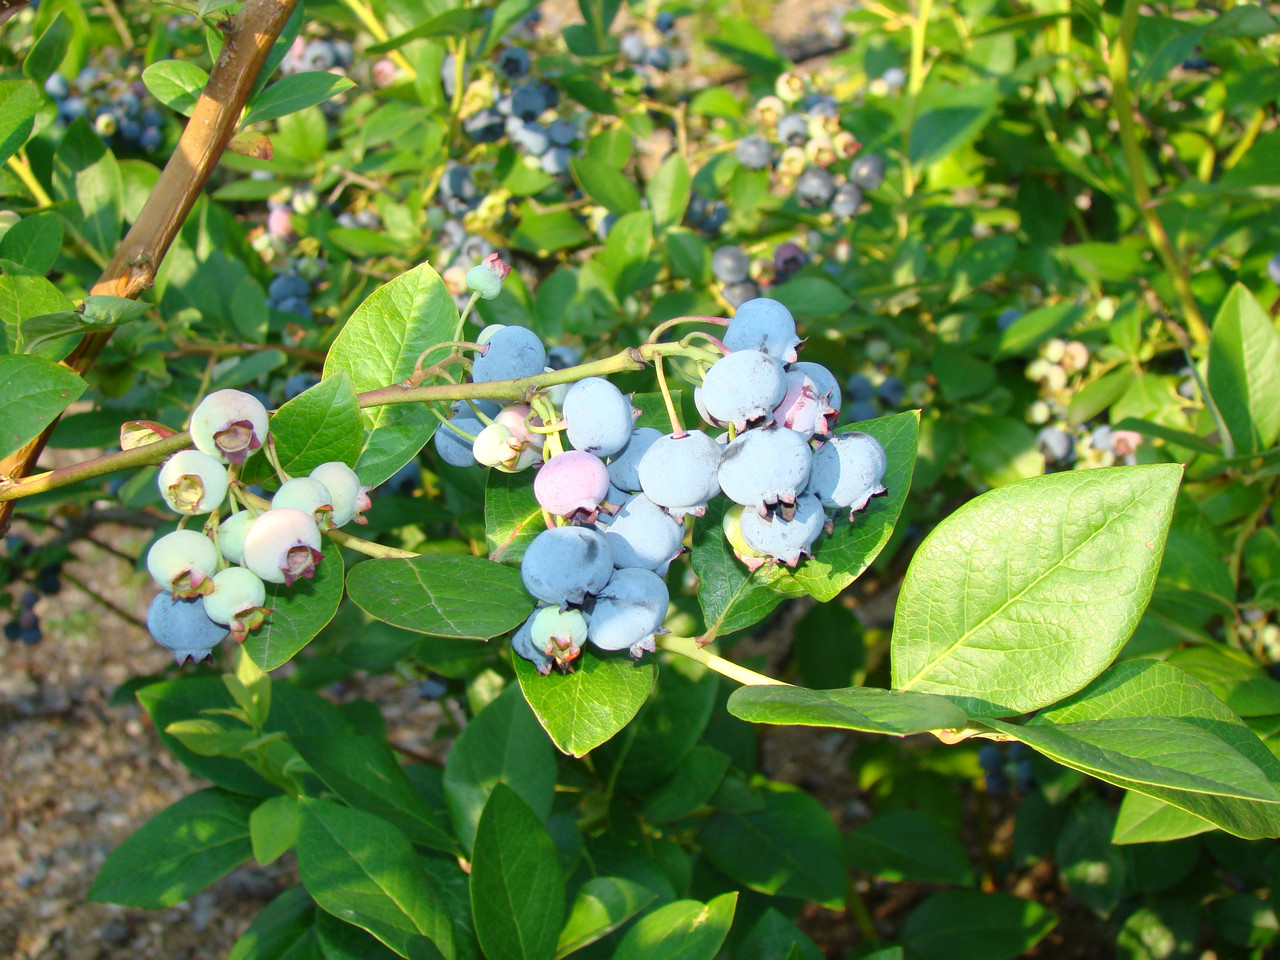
[183,562]
[308,495]
[192,482]
[231,533]
[229,425]
[237,601]
[348,497]
[558,633]
[283,545]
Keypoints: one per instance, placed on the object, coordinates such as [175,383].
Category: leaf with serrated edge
[379,346]
[871,709]
[583,709]
[1151,728]
[444,595]
[1025,594]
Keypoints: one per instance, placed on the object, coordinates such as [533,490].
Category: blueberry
[629,611]
[513,352]
[318,55]
[658,57]
[680,472]
[297,306]
[151,139]
[529,101]
[730,264]
[815,187]
[571,483]
[824,380]
[283,545]
[846,200]
[183,562]
[787,259]
[804,408]
[624,466]
[642,534]
[743,386]
[793,129]
[183,627]
[765,466]
[1197,63]
[633,47]
[665,22]
[12,631]
[736,294]
[564,564]
[558,633]
[30,598]
[229,425]
[599,417]
[892,391]
[29,628]
[475,248]
[433,687]
[57,86]
[407,479]
[533,138]
[754,152]
[847,471]
[49,579]
[514,62]
[237,602]
[192,482]
[1008,318]
[867,171]
[309,495]
[562,357]
[763,324]
[894,78]
[452,446]
[484,126]
[786,540]
[562,133]
[556,160]
[522,644]
[299,383]
[1273,268]
[1055,443]
[286,285]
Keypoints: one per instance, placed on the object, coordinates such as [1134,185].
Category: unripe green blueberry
[229,425]
[348,497]
[183,562]
[558,633]
[486,278]
[231,533]
[192,482]
[283,545]
[497,446]
[237,601]
[308,495]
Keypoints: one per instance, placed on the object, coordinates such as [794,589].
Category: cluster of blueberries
[802,140]
[115,101]
[289,292]
[995,763]
[214,582]
[617,500]
[24,627]
[660,56]
[742,277]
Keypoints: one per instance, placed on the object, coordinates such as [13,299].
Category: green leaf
[1002,450]
[442,594]
[49,50]
[178,852]
[284,930]
[1149,727]
[684,930]
[1233,676]
[33,391]
[583,709]
[86,172]
[949,118]
[273,827]
[294,92]
[379,346]
[363,771]
[545,233]
[19,101]
[1093,870]
[176,83]
[626,251]
[740,41]
[1025,594]
[773,937]
[517,889]
[787,847]
[871,709]
[808,297]
[668,193]
[1144,819]
[503,743]
[33,242]
[908,845]
[113,311]
[451,23]
[842,556]
[605,185]
[317,426]
[968,925]
[1035,327]
[512,516]
[298,612]
[692,784]
[340,940]
[1244,372]
[601,905]
[364,871]
[24,299]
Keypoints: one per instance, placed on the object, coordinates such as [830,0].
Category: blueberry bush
[593,369]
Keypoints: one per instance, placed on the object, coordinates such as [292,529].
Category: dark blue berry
[514,62]
[815,187]
[730,264]
[754,152]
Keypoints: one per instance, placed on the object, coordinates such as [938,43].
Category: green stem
[1122,98]
[688,647]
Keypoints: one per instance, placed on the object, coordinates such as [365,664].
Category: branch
[213,122]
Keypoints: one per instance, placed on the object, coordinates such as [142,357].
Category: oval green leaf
[871,709]
[298,612]
[684,930]
[441,594]
[1025,594]
[33,391]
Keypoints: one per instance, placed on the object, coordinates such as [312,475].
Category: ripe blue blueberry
[183,627]
[848,471]
[730,264]
[763,324]
[679,472]
[514,62]
[782,539]
[1273,268]
[867,171]
[1055,443]
[455,448]
[556,160]
[629,611]
[633,47]
[522,644]
[892,391]
[754,152]
[642,534]
[846,200]
[624,466]
[564,564]
[744,385]
[736,294]
[599,417]
[815,187]
[793,129]
[511,353]
[765,466]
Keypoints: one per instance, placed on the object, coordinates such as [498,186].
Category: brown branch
[132,269]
